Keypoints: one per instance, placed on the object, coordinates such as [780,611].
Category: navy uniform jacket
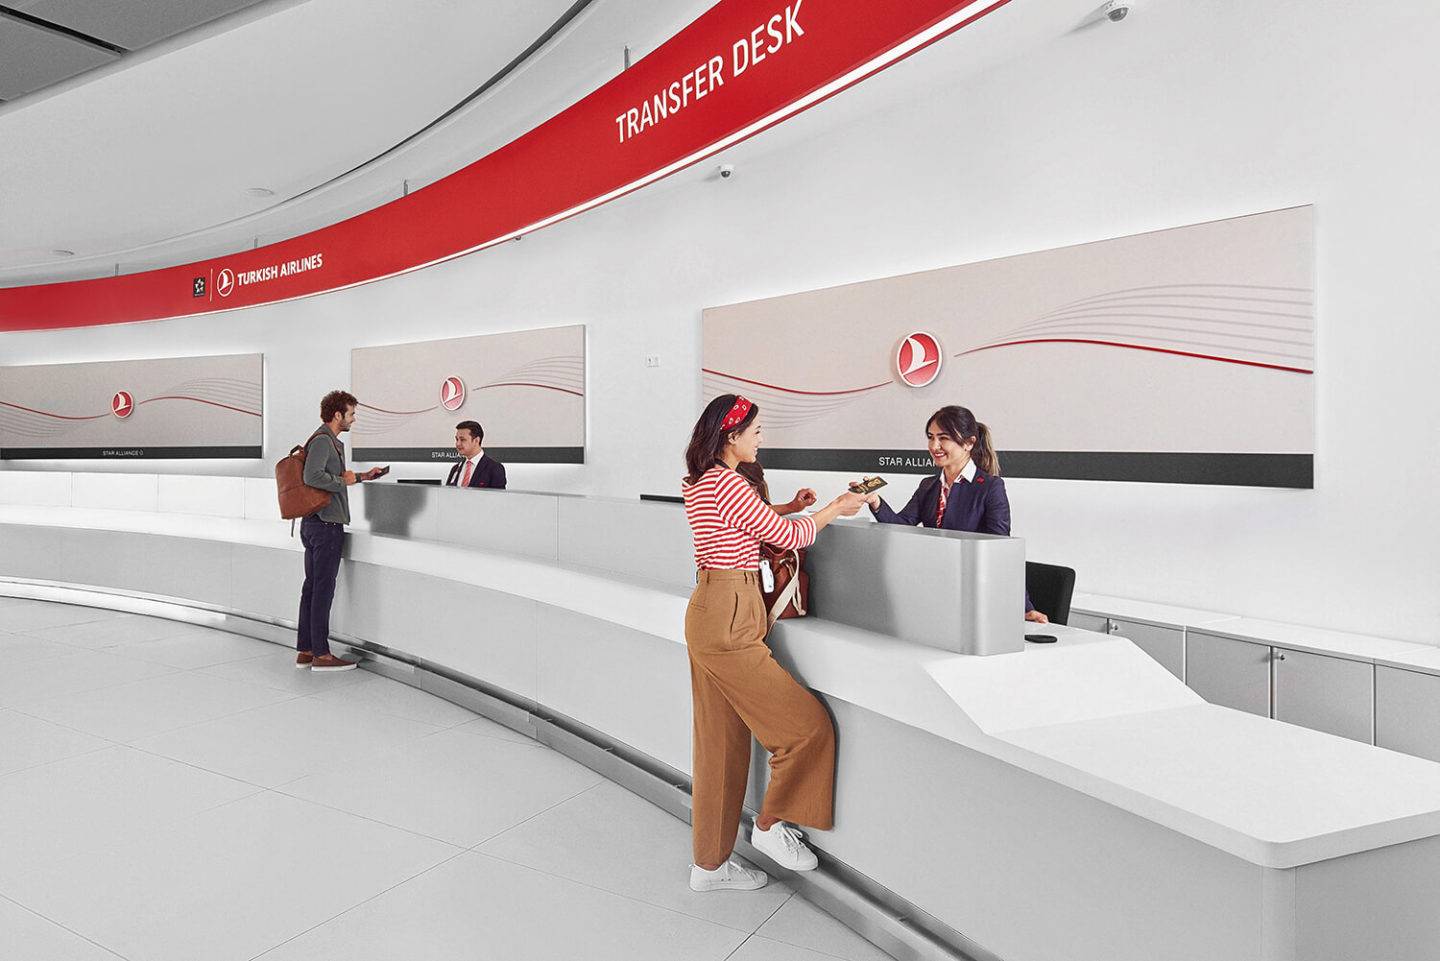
[489,472]
[979,506]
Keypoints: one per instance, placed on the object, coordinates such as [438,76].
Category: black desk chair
[1051,588]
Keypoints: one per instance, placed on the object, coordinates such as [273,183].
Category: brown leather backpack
[298,499]
[791,595]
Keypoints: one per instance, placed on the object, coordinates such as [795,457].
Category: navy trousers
[324,543]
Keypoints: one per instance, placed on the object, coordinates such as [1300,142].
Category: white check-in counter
[1059,802]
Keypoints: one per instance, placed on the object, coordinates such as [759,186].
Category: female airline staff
[737,686]
[960,446]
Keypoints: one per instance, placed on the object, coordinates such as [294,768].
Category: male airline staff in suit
[967,494]
[477,469]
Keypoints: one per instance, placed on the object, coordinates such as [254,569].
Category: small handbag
[787,588]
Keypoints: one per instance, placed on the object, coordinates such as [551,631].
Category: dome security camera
[1115,10]
[726,171]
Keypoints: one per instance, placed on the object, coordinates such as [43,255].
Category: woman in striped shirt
[738,687]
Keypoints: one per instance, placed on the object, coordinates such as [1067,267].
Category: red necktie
[940,510]
[469,469]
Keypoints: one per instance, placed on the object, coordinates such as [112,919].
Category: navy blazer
[979,506]
[489,472]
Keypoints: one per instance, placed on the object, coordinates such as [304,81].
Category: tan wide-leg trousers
[740,690]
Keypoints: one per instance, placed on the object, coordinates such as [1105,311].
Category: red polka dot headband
[737,413]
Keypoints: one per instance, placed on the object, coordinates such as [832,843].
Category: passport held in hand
[868,486]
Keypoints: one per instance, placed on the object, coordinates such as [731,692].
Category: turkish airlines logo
[452,393]
[122,405]
[918,359]
[225,282]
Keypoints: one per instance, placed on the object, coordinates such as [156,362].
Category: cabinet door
[1165,644]
[1088,622]
[1228,672]
[1407,712]
[1327,694]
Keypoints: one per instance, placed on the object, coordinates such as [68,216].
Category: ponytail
[983,453]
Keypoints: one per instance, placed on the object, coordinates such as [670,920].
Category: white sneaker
[782,845]
[730,876]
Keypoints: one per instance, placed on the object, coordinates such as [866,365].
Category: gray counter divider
[952,590]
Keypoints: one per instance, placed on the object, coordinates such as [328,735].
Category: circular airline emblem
[122,405]
[452,393]
[225,282]
[917,360]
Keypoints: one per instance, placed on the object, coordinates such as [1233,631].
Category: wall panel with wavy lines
[526,388]
[175,407]
[1179,356]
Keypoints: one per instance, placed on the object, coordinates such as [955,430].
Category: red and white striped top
[729,520]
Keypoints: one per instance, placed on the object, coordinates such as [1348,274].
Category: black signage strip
[129,453]
[1295,471]
[505,455]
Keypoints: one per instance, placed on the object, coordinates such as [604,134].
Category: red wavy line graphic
[405,413]
[198,400]
[791,390]
[563,390]
[1158,350]
[46,413]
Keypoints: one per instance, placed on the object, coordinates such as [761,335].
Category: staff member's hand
[1036,617]
[804,497]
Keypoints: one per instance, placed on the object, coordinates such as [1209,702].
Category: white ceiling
[147,163]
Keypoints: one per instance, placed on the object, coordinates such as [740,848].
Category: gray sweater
[325,469]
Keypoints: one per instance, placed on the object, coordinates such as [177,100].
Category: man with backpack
[323,532]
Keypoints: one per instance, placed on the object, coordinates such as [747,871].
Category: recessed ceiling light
[63,253]
[260,191]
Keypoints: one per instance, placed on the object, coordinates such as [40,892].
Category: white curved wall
[1183,113]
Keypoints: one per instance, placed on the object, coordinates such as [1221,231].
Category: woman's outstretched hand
[849,503]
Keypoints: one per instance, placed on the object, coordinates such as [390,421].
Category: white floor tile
[764,949]
[456,787]
[39,615]
[801,924]
[110,632]
[476,907]
[276,668]
[484,727]
[83,803]
[30,681]
[28,741]
[140,709]
[401,700]
[27,937]
[611,839]
[273,745]
[19,648]
[204,648]
[230,883]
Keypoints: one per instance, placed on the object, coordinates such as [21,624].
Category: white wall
[1186,112]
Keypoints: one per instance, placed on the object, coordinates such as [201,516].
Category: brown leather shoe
[329,662]
[303,659]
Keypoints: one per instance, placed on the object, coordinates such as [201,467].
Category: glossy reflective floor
[173,793]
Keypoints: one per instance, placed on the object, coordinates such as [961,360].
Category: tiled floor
[172,793]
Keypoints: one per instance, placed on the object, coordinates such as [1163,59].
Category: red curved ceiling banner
[742,66]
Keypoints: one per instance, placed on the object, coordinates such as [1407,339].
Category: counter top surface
[1294,795]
